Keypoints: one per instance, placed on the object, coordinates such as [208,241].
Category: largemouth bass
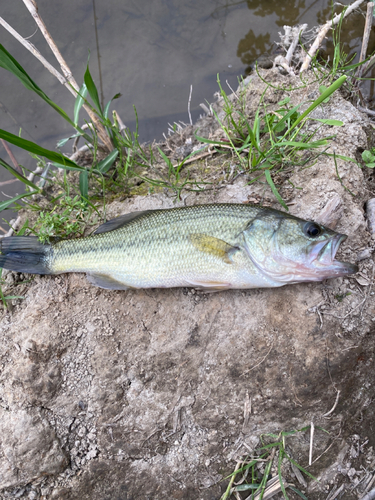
[218,246]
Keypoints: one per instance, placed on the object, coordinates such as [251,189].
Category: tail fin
[24,254]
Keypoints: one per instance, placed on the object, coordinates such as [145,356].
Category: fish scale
[155,249]
[206,246]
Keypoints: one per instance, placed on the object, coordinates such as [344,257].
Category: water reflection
[251,47]
[286,12]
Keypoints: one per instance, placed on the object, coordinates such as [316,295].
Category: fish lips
[322,256]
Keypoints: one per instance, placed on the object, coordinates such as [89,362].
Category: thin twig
[32,7]
[370,63]
[328,448]
[75,155]
[365,110]
[14,227]
[323,32]
[335,494]
[366,37]
[370,495]
[11,156]
[10,181]
[189,101]
[68,79]
[233,92]
[346,315]
[334,406]
[297,32]
[370,484]
[229,487]
[121,124]
[312,429]
[260,362]
[246,411]
[29,46]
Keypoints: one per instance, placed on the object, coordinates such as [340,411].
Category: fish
[211,247]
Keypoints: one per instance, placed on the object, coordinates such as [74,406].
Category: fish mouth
[323,258]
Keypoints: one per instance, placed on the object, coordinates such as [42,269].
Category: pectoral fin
[105,281]
[213,246]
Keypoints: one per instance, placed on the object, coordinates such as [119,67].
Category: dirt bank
[156,393]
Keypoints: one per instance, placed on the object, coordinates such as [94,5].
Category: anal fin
[209,286]
[105,281]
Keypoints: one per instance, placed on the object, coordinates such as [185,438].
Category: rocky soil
[155,394]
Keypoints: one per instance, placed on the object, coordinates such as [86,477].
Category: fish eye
[312,230]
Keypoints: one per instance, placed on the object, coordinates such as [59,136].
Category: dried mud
[155,394]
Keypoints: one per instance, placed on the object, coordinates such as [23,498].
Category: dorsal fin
[121,221]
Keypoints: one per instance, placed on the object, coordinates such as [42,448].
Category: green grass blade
[246,487]
[10,64]
[299,493]
[334,123]
[274,190]
[279,125]
[263,484]
[93,91]
[62,142]
[5,204]
[345,158]
[327,93]
[79,102]
[271,445]
[171,170]
[279,464]
[19,176]
[209,141]
[21,231]
[31,147]
[256,127]
[303,145]
[84,185]
[300,467]
[254,142]
[106,109]
[247,466]
[68,167]
[104,165]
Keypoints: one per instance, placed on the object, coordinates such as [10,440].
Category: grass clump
[67,219]
[275,139]
[264,472]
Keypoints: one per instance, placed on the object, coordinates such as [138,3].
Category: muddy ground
[156,394]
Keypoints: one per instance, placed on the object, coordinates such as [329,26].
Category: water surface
[150,51]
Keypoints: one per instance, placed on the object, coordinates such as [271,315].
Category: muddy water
[150,51]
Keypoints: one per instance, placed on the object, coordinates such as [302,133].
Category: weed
[274,139]
[5,298]
[368,156]
[253,474]
[341,297]
[68,218]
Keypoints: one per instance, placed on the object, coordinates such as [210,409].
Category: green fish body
[216,246]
